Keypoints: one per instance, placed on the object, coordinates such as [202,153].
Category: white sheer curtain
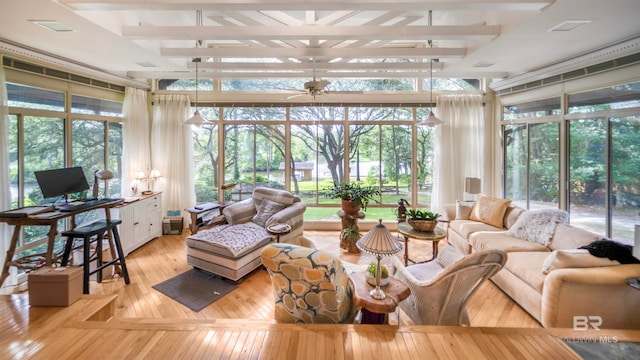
[136,137]
[459,147]
[5,194]
[172,151]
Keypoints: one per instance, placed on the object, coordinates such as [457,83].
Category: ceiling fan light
[196,119]
[432,120]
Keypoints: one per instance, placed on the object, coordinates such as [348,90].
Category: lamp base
[377,294]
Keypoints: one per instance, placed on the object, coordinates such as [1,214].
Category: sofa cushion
[490,210]
[538,225]
[231,241]
[463,209]
[511,215]
[467,227]
[574,258]
[526,267]
[571,237]
[265,210]
[499,240]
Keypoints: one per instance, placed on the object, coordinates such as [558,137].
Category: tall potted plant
[354,195]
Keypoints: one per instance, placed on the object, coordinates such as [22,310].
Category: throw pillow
[463,209]
[490,210]
[573,258]
[266,210]
[538,225]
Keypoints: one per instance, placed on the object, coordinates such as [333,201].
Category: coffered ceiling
[146,39]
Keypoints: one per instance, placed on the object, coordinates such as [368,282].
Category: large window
[602,166]
[38,131]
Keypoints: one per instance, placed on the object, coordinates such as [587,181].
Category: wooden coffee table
[408,232]
[377,311]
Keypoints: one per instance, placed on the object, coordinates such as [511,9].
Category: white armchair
[441,288]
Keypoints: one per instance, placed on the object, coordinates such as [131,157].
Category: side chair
[440,289]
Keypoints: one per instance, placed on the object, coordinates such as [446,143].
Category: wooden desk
[49,219]
[408,232]
[377,311]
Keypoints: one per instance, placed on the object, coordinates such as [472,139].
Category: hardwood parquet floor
[165,257]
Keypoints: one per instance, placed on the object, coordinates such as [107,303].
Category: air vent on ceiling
[58,74]
[590,70]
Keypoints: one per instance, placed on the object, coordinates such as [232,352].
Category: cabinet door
[126,228]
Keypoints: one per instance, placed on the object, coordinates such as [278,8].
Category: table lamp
[472,186]
[100,175]
[379,242]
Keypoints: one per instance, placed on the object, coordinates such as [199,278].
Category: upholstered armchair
[266,207]
[441,288]
[233,250]
[310,286]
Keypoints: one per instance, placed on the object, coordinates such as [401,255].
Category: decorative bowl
[371,280]
[423,225]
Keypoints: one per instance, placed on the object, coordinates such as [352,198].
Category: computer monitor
[61,182]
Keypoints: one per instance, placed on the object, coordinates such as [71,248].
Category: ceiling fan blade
[295,96]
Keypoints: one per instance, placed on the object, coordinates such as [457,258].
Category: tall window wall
[51,129]
[306,149]
[602,141]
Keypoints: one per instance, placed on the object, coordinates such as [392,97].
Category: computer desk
[48,218]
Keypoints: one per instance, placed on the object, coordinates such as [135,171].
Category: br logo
[583,323]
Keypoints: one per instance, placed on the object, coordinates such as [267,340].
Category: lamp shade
[472,185]
[431,120]
[154,174]
[196,119]
[379,241]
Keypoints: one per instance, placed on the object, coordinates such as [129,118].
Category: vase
[423,225]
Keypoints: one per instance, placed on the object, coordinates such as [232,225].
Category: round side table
[408,232]
[278,230]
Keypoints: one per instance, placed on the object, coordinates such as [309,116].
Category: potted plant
[422,220]
[371,274]
[348,238]
[354,195]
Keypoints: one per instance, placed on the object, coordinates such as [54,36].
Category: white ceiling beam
[318,5]
[318,53]
[309,74]
[440,32]
[332,66]
[249,21]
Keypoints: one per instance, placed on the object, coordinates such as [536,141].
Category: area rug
[195,289]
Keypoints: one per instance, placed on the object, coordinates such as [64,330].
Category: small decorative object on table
[422,220]
[371,275]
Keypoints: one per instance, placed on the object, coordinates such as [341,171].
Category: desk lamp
[379,242]
[227,186]
[101,175]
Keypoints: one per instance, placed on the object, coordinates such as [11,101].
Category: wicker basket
[423,225]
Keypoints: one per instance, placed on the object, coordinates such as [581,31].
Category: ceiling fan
[314,87]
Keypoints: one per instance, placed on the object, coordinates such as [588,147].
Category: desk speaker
[172,225]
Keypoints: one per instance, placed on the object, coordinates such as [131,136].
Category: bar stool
[86,232]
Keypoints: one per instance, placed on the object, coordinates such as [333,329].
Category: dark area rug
[195,289]
[601,350]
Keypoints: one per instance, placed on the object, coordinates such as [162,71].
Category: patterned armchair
[310,286]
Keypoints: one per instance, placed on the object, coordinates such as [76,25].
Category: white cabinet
[141,221]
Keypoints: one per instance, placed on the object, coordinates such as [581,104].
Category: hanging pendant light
[197,119]
[432,120]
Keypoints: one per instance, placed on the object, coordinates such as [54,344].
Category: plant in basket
[422,220]
[354,195]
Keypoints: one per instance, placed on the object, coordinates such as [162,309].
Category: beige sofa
[555,298]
